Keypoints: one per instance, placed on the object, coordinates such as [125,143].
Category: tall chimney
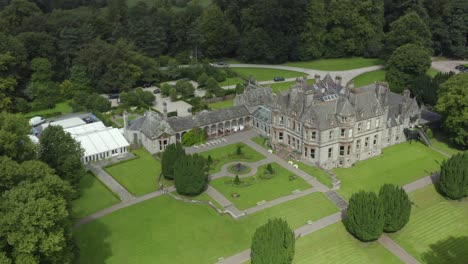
[338,80]
[125,120]
[164,110]
[317,78]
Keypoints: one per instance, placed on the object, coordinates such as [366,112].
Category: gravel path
[110,182]
[447,65]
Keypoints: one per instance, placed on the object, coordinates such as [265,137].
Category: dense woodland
[51,50]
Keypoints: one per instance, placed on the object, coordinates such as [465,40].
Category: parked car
[157,91]
[219,63]
[37,120]
[147,85]
[113,96]
[278,79]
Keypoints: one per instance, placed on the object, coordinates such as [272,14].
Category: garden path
[280,200]
[110,182]
[393,247]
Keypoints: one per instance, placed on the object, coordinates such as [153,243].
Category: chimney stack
[125,120]
[164,110]
[338,80]
[317,78]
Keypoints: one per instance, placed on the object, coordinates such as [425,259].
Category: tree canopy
[273,242]
[169,159]
[396,206]
[191,174]
[453,181]
[453,104]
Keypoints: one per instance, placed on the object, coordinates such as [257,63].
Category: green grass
[130,118]
[94,196]
[139,175]
[282,86]
[442,143]
[432,72]
[222,104]
[321,176]
[227,154]
[201,197]
[334,244]
[399,164]
[257,189]
[264,74]
[341,64]
[62,108]
[232,81]
[171,231]
[369,78]
[260,141]
[436,223]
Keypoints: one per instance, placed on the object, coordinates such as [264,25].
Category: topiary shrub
[453,181]
[273,242]
[365,216]
[397,207]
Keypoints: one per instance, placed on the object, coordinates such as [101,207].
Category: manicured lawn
[201,197]
[399,164]
[334,244]
[369,78]
[341,64]
[222,104]
[437,227]
[321,176]
[171,231]
[282,86]
[139,176]
[60,108]
[264,74]
[94,197]
[260,141]
[257,189]
[231,81]
[227,154]
[442,143]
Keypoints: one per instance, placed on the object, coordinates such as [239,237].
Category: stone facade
[331,126]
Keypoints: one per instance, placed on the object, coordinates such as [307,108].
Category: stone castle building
[325,123]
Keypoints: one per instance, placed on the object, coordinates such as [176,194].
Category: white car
[37,120]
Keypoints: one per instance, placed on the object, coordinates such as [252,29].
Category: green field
[226,154]
[265,74]
[257,189]
[342,64]
[321,176]
[94,196]
[130,118]
[442,143]
[399,164]
[438,228]
[369,78]
[222,104]
[60,108]
[260,141]
[232,81]
[139,175]
[334,244]
[432,72]
[201,197]
[282,86]
[171,231]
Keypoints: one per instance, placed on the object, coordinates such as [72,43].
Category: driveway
[448,65]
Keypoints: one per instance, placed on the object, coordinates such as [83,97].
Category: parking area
[449,65]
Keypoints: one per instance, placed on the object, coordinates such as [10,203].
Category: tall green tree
[79,80]
[14,140]
[11,18]
[365,216]
[63,153]
[406,63]
[191,175]
[453,181]
[408,29]
[456,21]
[39,45]
[220,36]
[273,242]
[8,80]
[169,159]
[312,39]
[453,104]
[35,222]
[396,205]
[425,88]
[44,92]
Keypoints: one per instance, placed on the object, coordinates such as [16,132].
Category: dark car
[157,91]
[278,79]
[221,63]
[461,67]
[146,85]
[113,96]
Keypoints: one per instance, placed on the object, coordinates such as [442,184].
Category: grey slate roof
[206,118]
[151,125]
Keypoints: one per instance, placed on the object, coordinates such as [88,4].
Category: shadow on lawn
[452,250]
[94,247]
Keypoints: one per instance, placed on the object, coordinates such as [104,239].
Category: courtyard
[227,154]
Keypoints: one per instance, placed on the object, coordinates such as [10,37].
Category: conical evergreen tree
[453,181]
[397,207]
[169,159]
[365,216]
